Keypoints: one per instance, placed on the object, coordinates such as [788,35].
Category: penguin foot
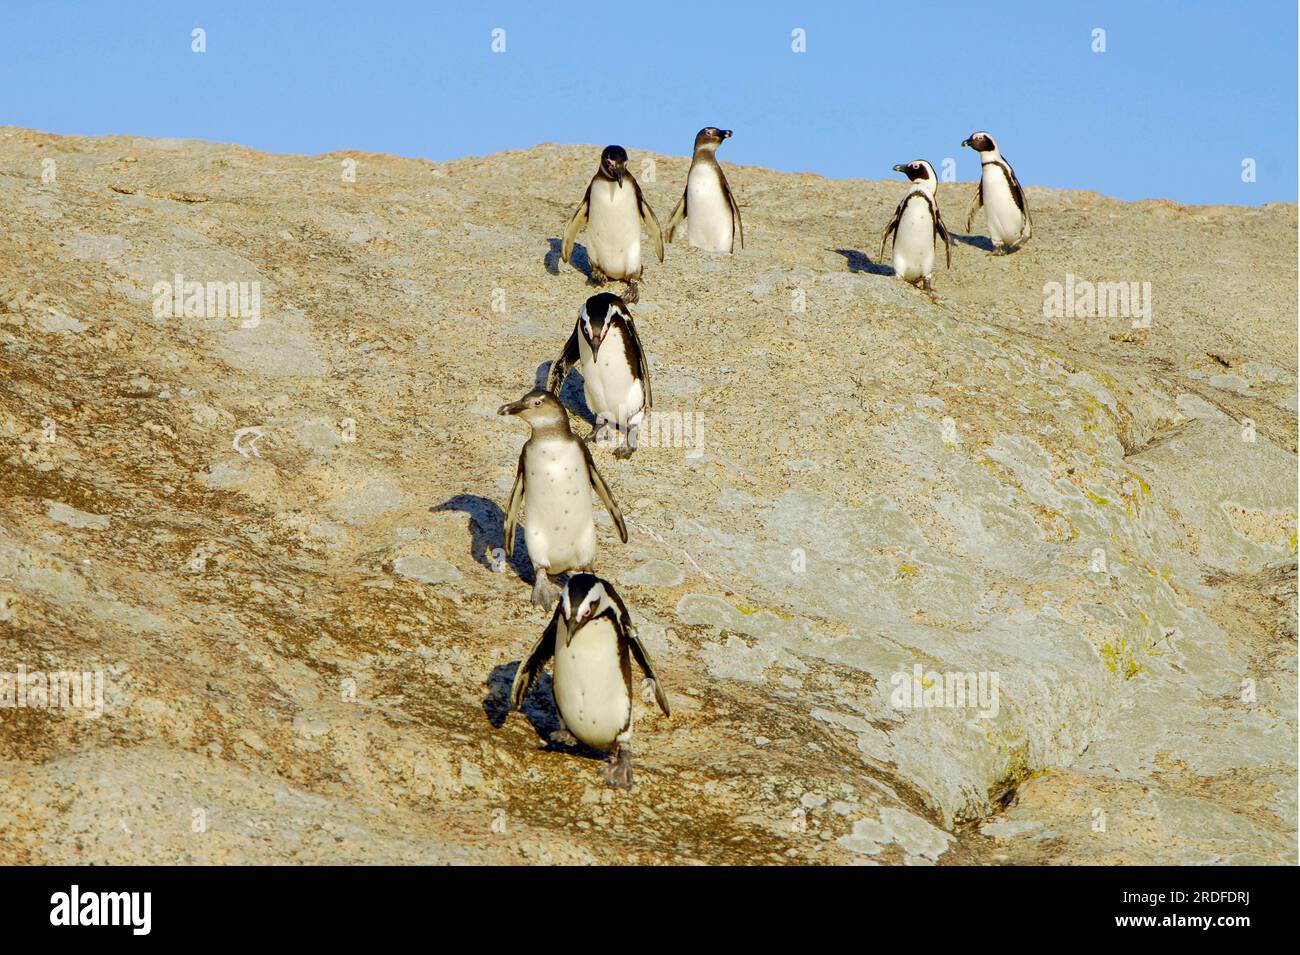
[624,450]
[598,276]
[927,284]
[563,738]
[633,293]
[544,592]
[618,771]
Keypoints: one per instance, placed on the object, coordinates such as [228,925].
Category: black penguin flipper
[941,230]
[735,209]
[1018,194]
[892,228]
[643,661]
[637,358]
[976,202]
[531,665]
[678,216]
[638,650]
[648,218]
[576,223]
[602,490]
[560,367]
[514,505]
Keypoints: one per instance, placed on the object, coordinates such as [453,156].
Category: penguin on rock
[591,644]
[916,225]
[613,210]
[1000,193]
[615,375]
[553,481]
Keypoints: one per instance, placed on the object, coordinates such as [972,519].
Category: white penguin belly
[914,241]
[560,530]
[588,682]
[614,229]
[708,214]
[1005,219]
[612,389]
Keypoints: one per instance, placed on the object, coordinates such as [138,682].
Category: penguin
[554,477]
[592,643]
[915,225]
[616,379]
[1000,193]
[711,214]
[613,211]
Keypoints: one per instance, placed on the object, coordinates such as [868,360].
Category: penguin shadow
[859,262]
[486,529]
[578,260]
[552,258]
[978,241]
[539,709]
[572,394]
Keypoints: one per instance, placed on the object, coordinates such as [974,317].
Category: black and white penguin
[710,211]
[613,211]
[616,379]
[592,643]
[1000,193]
[554,480]
[915,226]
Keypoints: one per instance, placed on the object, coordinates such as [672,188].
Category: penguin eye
[536,402]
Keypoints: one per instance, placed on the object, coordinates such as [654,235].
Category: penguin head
[918,170]
[539,408]
[710,138]
[584,598]
[981,142]
[597,314]
[613,163]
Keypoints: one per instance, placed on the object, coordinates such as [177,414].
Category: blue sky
[1184,92]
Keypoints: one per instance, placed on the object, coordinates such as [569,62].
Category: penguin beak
[965,142]
[513,408]
[726,134]
[900,168]
[618,175]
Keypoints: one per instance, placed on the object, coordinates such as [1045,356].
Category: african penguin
[613,210]
[615,377]
[711,214]
[553,480]
[915,225]
[592,643]
[1000,193]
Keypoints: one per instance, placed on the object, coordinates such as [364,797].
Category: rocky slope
[305,648]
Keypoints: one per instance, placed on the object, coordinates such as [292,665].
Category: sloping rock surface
[305,643]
